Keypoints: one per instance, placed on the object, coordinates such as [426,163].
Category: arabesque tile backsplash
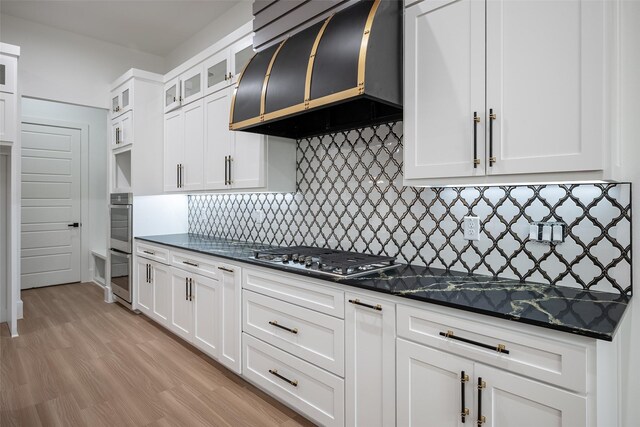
[350,196]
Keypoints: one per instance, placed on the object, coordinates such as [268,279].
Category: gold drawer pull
[275,372]
[500,348]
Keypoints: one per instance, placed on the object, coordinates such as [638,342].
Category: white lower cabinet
[439,389]
[196,297]
[314,392]
[230,315]
[370,361]
[430,388]
[153,289]
[195,308]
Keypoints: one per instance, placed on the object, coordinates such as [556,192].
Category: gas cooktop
[328,262]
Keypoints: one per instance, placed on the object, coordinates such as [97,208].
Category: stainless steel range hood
[342,73]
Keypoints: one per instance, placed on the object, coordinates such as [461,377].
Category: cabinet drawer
[313,336]
[155,253]
[189,261]
[296,290]
[547,360]
[315,393]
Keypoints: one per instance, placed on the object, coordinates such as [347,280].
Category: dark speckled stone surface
[588,313]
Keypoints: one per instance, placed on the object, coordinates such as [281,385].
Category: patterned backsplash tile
[350,196]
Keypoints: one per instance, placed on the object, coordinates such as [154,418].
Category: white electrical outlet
[258,216]
[471,227]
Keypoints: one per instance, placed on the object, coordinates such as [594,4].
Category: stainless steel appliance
[121,231]
[327,262]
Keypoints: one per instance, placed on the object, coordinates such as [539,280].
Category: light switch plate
[471,227]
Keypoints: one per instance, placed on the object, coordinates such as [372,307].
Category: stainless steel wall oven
[121,232]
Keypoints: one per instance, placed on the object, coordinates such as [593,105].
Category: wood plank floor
[81,362]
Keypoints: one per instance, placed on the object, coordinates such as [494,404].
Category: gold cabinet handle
[275,372]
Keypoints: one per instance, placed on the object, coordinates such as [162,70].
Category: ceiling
[152,26]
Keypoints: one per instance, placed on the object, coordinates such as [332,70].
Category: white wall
[629,105]
[96,119]
[63,66]
[217,29]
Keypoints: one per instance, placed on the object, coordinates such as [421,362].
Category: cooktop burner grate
[326,261]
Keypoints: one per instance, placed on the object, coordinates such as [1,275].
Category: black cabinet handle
[228,270]
[481,385]
[149,252]
[275,372]
[186,289]
[492,117]
[178,175]
[464,411]
[192,264]
[150,274]
[277,325]
[229,170]
[147,272]
[476,120]
[226,171]
[190,289]
[500,348]
[377,307]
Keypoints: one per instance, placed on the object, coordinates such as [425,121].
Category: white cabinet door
[206,311]
[240,55]
[122,131]
[145,287]
[444,87]
[370,362]
[216,71]
[8,121]
[545,85]
[8,66]
[430,387]
[181,305]
[193,140]
[122,99]
[173,150]
[218,139]
[172,95]
[231,315]
[509,400]
[246,169]
[161,280]
[192,84]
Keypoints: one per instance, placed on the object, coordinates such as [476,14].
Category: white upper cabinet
[524,103]
[192,140]
[217,72]
[240,54]
[224,68]
[122,134]
[172,95]
[218,140]
[444,60]
[8,67]
[545,86]
[173,150]
[122,99]
[192,84]
[8,122]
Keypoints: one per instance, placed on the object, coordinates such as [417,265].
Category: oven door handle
[122,254]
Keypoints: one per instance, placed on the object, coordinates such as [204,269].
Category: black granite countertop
[588,313]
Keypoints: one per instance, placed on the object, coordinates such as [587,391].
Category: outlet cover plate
[471,227]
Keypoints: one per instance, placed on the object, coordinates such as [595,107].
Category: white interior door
[50,247]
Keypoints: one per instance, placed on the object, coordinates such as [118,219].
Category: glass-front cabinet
[8,74]
[191,83]
[241,54]
[172,95]
[224,68]
[121,100]
[217,72]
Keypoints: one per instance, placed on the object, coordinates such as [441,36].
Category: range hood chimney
[342,73]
